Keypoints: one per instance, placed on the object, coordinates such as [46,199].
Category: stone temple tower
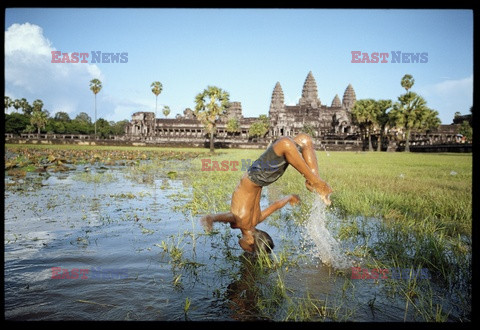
[309,93]
[336,103]
[277,105]
[349,98]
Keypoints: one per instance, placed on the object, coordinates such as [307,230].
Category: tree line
[409,113]
[33,118]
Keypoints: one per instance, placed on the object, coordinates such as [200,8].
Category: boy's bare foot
[322,188]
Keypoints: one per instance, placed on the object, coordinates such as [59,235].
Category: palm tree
[407,82]
[39,119]
[166,111]
[26,107]
[37,105]
[157,88]
[429,120]
[8,102]
[212,103]
[16,104]
[363,114]
[382,119]
[95,87]
[409,113]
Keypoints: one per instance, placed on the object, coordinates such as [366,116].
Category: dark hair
[262,241]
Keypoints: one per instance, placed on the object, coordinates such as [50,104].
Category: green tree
[62,116]
[82,124]
[407,82]
[411,113]
[157,88]
[119,127]
[104,129]
[382,119]
[38,119]
[95,87]
[466,130]
[233,126]
[364,115]
[37,105]
[211,104]
[26,107]
[166,111]
[260,127]
[8,102]
[16,104]
[84,117]
[57,126]
[16,123]
[308,129]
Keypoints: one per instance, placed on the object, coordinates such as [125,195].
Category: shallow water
[145,260]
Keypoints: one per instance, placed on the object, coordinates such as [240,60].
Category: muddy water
[132,254]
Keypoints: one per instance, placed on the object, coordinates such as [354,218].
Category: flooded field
[104,237]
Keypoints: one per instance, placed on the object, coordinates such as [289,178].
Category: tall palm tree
[39,119]
[407,82]
[8,102]
[382,119]
[26,107]
[157,88]
[95,87]
[409,113]
[212,103]
[364,115]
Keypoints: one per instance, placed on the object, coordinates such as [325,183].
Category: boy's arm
[292,199]
[208,220]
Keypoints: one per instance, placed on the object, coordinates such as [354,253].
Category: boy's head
[262,241]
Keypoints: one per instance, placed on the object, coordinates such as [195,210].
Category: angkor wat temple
[330,125]
[285,120]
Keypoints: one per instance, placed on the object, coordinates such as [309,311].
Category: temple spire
[336,103]
[310,92]
[278,101]
[349,98]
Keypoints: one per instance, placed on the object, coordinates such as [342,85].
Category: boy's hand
[207,223]
[294,200]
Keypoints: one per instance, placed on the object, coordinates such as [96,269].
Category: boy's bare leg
[286,147]
[208,220]
[308,151]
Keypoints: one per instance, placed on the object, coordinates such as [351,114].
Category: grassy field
[422,201]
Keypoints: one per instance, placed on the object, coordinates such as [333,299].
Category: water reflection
[244,292]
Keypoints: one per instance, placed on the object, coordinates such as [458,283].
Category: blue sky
[243,51]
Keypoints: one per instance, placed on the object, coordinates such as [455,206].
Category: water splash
[325,246]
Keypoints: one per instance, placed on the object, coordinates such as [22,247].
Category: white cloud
[463,85]
[449,96]
[122,109]
[29,72]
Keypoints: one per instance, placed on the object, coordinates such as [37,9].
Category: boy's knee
[304,140]
[285,143]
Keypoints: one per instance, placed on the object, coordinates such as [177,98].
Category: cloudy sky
[243,51]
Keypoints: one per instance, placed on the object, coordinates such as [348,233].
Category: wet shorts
[269,167]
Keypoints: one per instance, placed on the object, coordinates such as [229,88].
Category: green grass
[427,192]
